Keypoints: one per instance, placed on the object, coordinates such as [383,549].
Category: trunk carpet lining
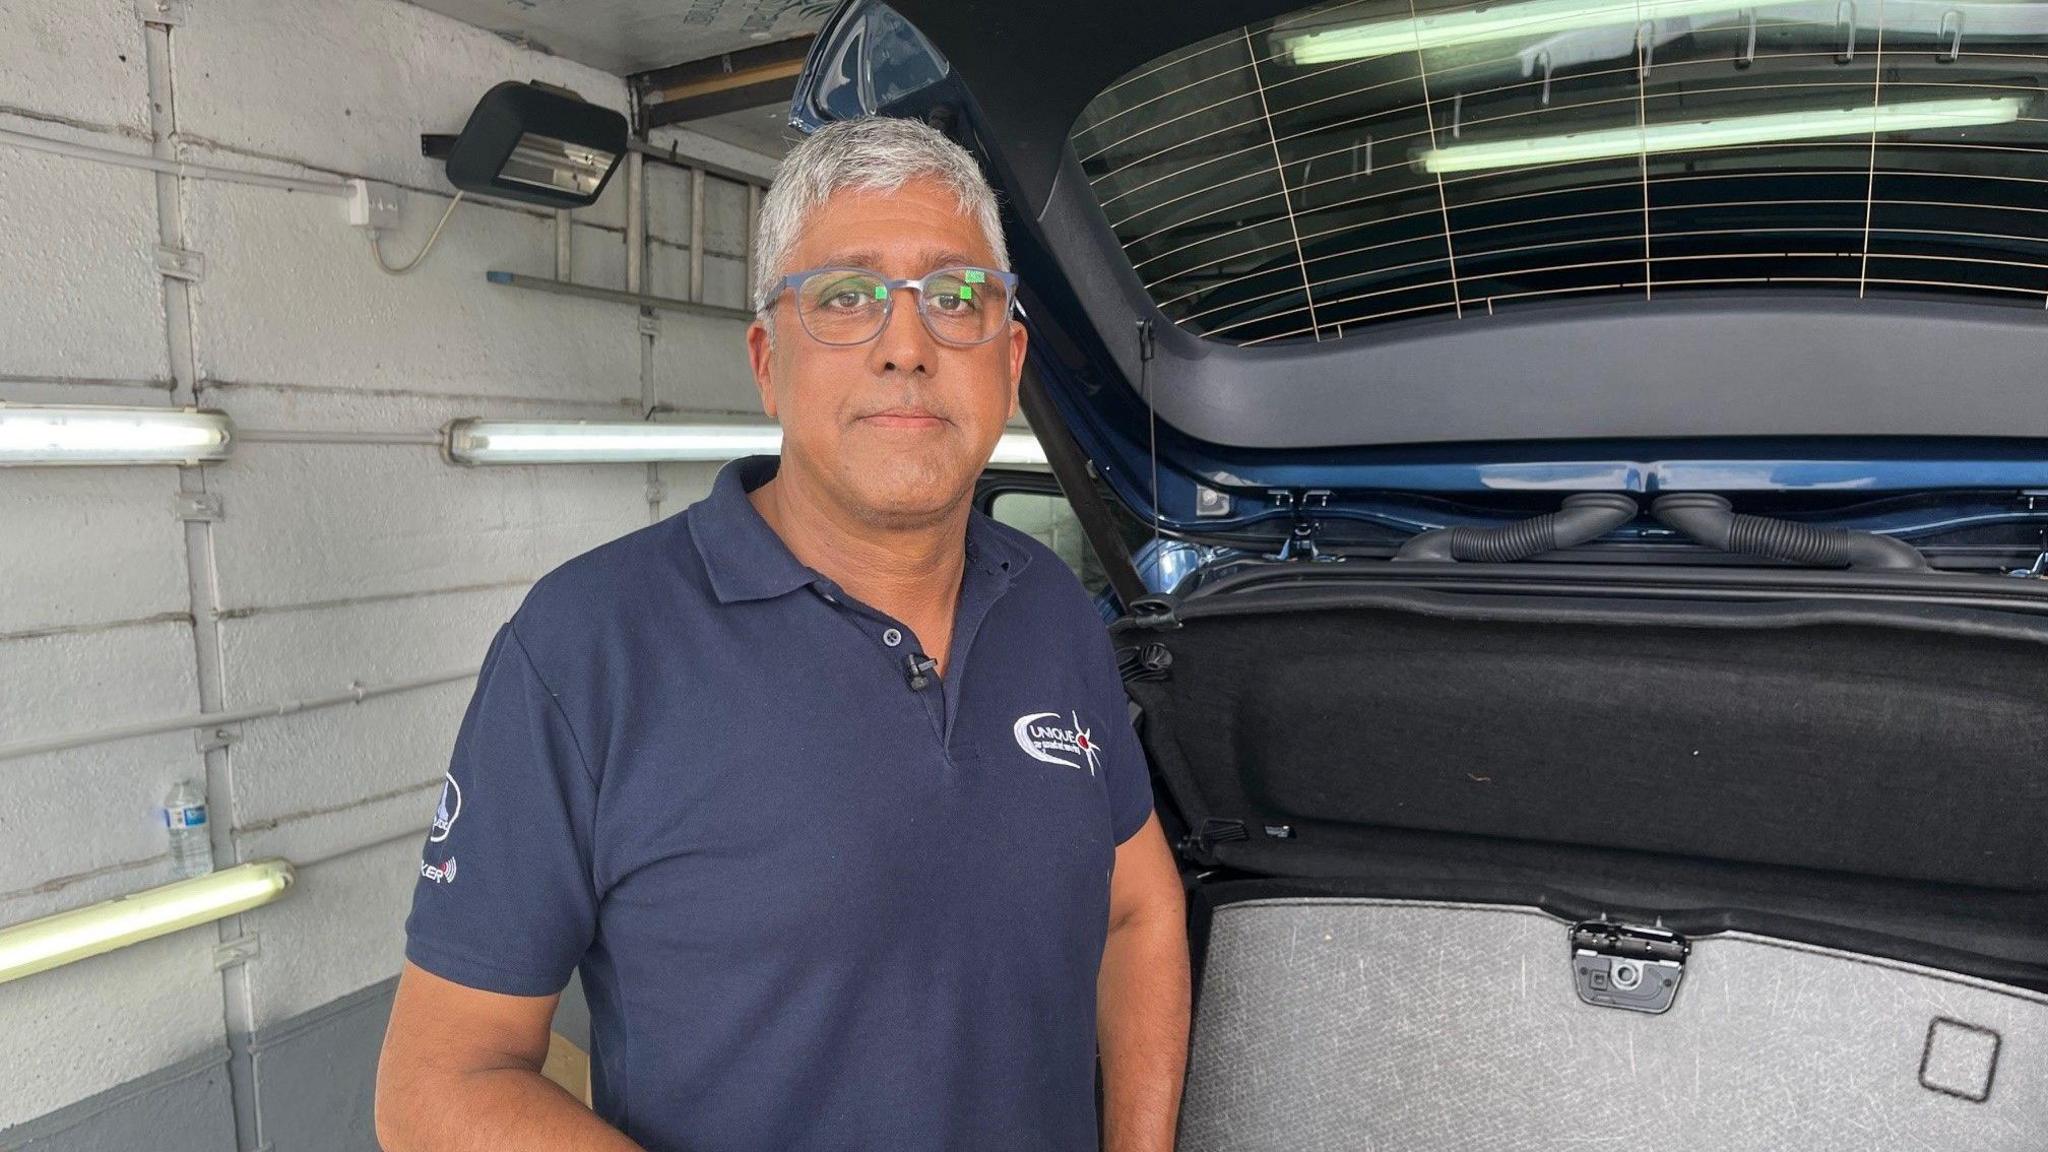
[1433,1027]
[1821,767]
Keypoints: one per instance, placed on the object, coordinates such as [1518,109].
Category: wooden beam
[707,105]
[749,78]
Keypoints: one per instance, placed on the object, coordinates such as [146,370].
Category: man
[827,785]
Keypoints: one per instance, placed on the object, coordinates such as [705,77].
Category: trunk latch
[1627,966]
[1200,845]
[1301,508]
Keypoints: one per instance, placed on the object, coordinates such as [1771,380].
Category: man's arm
[461,1073]
[1142,1018]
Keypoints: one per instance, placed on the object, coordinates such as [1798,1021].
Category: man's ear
[760,357]
[1019,339]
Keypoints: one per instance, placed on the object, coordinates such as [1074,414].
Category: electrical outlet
[372,204]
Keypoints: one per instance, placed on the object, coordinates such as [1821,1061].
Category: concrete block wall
[349,553]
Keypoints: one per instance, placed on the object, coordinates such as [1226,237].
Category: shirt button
[892,637]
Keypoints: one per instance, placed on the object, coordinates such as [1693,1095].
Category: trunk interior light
[1779,127]
[1534,18]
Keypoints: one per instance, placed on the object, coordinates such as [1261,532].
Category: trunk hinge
[1627,966]
[1301,506]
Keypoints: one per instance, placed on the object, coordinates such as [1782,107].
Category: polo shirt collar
[745,560]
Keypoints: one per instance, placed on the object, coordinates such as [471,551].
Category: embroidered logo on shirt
[442,874]
[1048,741]
[449,809]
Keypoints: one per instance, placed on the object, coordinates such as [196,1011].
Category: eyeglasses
[960,306]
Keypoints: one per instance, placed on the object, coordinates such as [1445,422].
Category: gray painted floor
[315,1077]
[183,1108]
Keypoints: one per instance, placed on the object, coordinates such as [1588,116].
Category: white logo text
[1055,743]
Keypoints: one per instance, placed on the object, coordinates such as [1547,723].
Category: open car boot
[1801,843]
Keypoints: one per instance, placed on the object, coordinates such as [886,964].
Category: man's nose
[905,344]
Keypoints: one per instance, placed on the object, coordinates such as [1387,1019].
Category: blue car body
[1221,500]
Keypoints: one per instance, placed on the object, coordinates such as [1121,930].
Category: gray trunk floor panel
[1377,1026]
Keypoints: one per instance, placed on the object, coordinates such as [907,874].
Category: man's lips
[903,418]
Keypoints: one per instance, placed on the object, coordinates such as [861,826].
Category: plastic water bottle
[184,814]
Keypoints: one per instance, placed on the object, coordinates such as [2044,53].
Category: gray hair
[874,152]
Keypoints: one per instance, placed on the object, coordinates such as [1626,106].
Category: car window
[1355,164]
[1050,519]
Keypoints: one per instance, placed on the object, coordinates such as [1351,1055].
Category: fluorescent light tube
[528,442]
[1685,136]
[40,945]
[105,434]
[1018,448]
[1482,25]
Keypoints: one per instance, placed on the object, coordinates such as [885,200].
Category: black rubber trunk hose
[1712,521]
[1587,516]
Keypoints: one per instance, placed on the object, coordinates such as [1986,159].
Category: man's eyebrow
[927,259]
[944,258]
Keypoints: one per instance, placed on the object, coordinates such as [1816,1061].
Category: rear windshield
[1355,164]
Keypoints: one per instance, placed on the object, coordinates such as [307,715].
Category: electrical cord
[377,249]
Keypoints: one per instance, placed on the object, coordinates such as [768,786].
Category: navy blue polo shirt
[813,906]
